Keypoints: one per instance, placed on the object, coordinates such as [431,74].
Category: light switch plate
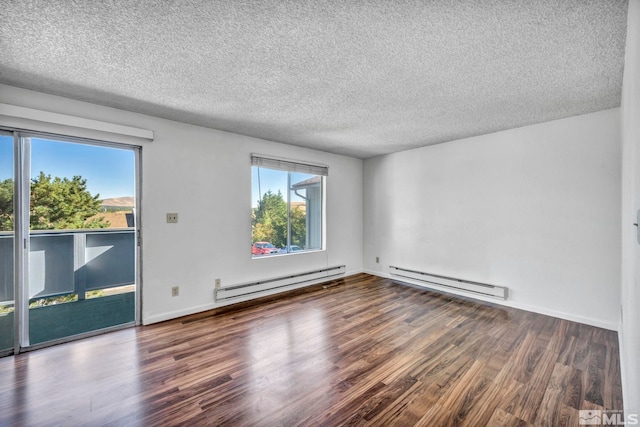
[172,218]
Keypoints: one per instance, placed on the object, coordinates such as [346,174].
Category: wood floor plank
[358,351]
[574,392]
[549,412]
[501,418]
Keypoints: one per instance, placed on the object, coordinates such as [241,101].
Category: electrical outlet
[172,218]
[377,260]
[175,291]
[218,283]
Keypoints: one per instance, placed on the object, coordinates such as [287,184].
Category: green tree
[298,226]
[56,204]
[6,205]
[270,220]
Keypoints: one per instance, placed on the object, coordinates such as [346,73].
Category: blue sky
[108,171]
[273,180]
[269,180]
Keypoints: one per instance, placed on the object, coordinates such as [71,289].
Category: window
[287,206]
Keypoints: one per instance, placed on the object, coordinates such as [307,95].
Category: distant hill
[116,210]
[299,205]
[120,202]
[116,219]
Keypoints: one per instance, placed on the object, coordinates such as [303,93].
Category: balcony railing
[64,262]
[71,261]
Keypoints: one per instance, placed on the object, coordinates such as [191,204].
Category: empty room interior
[320,213]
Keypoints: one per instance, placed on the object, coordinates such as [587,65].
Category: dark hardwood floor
[357,351]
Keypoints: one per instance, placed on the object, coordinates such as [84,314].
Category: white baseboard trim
[509,303]
[161,317]
[157,318]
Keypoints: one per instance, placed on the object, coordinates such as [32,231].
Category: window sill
[313,251]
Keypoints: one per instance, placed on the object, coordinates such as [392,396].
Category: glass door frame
[14,163]
[22,167]
[21,204]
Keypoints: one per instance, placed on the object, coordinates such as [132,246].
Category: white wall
[535,209]
[630,111]
[205,176]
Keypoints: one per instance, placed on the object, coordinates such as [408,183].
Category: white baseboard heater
[236,291]
[436,280]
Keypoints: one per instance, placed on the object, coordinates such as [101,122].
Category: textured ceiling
[360,78]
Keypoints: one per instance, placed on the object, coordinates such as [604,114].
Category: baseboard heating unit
[236,291]
[430,280]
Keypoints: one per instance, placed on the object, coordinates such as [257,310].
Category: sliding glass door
[75,215]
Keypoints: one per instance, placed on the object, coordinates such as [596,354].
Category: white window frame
[289,165]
